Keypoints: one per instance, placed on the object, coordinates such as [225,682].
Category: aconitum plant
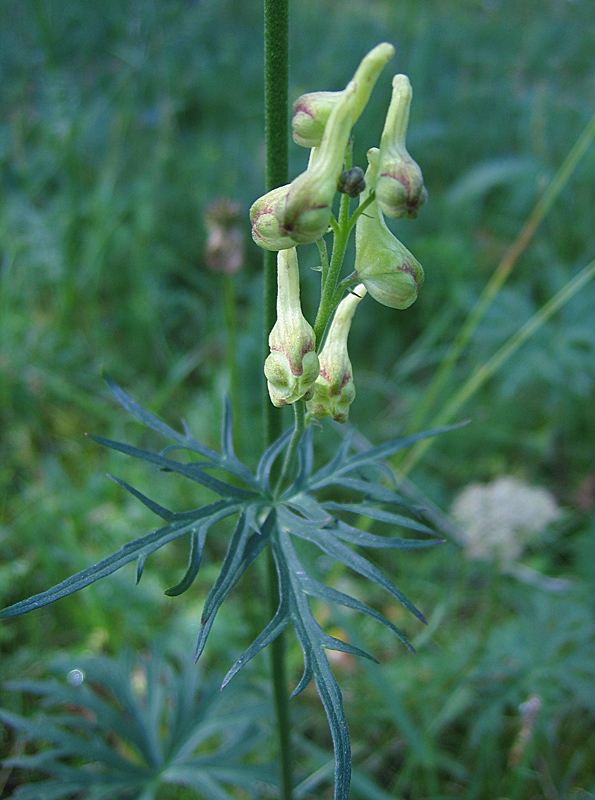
[282,508]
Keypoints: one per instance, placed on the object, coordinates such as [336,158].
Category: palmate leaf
[326,540]
[116,742]
[226,460]
[339,467]
[373,492]
[139,549]
[197,543]
[263,519]
[243,548]
[194,471]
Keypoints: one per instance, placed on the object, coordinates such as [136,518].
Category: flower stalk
[308,366]
[276,68]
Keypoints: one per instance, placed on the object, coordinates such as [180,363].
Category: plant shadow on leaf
[268,517]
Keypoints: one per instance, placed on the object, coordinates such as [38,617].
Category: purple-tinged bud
[387,269]
[400,190]
[266,231]
[292,366]
[311,111]
[305,214]
[352,182]
[310,115]
[334,390]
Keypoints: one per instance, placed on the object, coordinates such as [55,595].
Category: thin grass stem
[501,273]
[229,312]
[482,373]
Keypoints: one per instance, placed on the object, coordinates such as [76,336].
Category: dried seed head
[225,241]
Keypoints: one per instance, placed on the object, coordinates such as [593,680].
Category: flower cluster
[301,212]
[499,519]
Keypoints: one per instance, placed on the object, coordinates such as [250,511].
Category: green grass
[116,124]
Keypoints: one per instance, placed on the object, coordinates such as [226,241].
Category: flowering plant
[283,509]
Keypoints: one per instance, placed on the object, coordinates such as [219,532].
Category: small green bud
[400,190]
[387,269]
[351,182]
[334,390]
[306,212]
[266,231]
[311,111]
[292,366]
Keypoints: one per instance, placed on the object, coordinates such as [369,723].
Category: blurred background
[120,123]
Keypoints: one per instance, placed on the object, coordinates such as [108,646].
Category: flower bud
[334,390]
[292,366]
[400,190]
[305,214]
[351,182]
[266,231]
[310,115]
[311,111]
[387,269]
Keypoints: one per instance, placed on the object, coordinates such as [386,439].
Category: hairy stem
[328,302]
[276,75]
[321,244]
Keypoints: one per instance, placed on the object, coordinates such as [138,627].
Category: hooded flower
[400,190]
[311,111]
[387,269]
[266,231]
[334,390]
[292,366]
[304,213]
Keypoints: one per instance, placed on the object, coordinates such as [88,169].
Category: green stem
[360,210]
[321,244]
[345,284]
[299,409]
[328,302]
[279,679]
[276,81]
[332,291]
[229,312]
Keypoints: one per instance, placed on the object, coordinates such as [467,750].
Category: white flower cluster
[499,519]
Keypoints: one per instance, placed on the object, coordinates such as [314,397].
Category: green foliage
[281,519]
[116,124]
[125,729]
